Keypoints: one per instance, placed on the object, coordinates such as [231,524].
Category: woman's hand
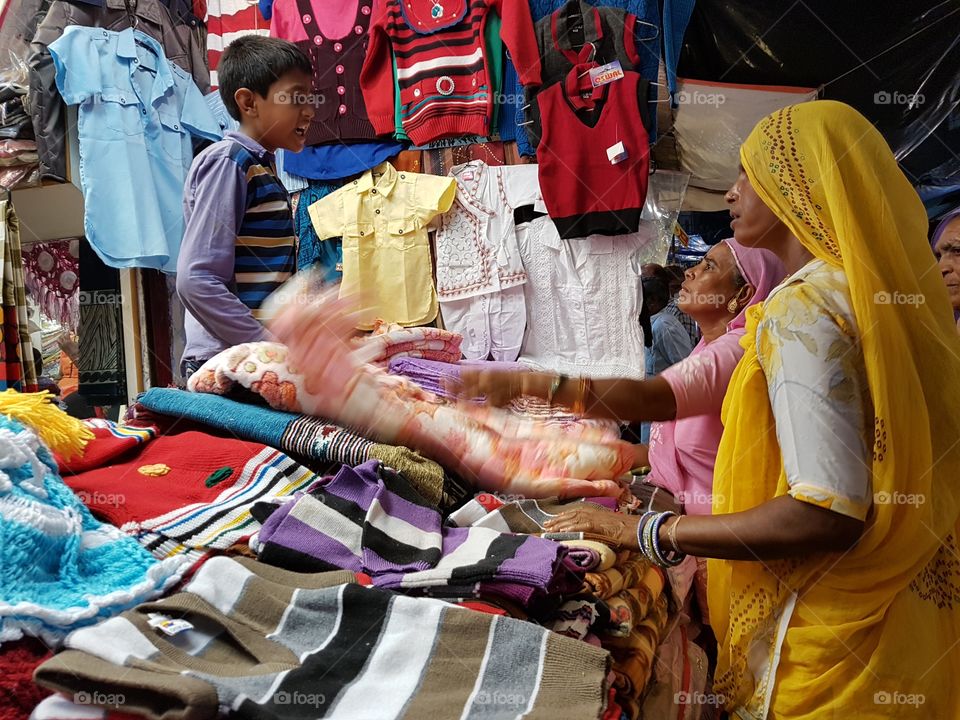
[616,527]
[498,387]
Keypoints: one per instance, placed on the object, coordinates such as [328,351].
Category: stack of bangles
[583,392]
[648,538]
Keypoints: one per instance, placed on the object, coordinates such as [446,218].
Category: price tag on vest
[606,73]
[617,153]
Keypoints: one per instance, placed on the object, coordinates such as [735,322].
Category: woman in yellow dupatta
[841,431]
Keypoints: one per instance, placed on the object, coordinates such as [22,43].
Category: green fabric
[218,476]
[398,133]
[494,51]
[425,476]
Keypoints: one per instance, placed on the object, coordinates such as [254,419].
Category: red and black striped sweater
[442,71]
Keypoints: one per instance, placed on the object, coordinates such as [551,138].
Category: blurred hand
[616,527]
[317,326]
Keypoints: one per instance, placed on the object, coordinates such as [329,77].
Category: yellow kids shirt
[383,219]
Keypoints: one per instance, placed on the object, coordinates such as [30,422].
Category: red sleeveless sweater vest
[584,192]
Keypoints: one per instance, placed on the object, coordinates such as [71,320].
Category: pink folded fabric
[391,340]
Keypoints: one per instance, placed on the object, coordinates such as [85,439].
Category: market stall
[209,529]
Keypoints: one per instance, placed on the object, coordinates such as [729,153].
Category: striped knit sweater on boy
[442,72]
[369,520]
[264,643]
[238,244]
[266,243]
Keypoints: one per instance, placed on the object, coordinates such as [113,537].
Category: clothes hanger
[131,13]
[656,30]
[588,58]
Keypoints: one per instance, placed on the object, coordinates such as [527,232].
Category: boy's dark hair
[255,62]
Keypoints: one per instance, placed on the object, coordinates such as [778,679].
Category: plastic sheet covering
[713,119]
[19,176]
[660,211]
[896,62]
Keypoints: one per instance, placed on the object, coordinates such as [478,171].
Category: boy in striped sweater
[239,244]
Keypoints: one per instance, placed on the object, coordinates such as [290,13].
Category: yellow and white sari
[873,632]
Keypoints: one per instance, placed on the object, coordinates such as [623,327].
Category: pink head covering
[759,267]
[683,451]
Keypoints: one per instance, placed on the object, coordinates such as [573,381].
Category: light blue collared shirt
[137,113]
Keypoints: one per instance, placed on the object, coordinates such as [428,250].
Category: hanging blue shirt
[137,112]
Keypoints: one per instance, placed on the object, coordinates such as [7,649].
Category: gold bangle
[580,406]
[554,386]
[672,534]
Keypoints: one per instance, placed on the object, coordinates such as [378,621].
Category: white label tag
[616,153]
[606,73]
[168,625]
[468,176]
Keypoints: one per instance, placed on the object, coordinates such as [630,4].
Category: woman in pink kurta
[682,451]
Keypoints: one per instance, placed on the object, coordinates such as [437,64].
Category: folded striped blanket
[263,643]
[390,340]
[367,519]
[186,494]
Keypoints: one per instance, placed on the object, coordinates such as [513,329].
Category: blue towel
[60,568]
[298,435]
[338,161]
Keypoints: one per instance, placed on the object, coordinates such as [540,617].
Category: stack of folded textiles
[390,340]
[495,450]
[19,162]
[309,440]
[183,495]
[264,642]
[621,604]
[367,519]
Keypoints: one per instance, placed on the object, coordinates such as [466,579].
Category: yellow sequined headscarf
[872,631]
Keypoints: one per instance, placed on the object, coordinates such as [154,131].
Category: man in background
[671,344]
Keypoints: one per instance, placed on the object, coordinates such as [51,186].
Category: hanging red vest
[584,191]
